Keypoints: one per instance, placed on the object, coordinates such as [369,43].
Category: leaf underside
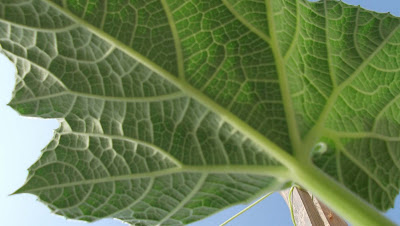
[147,93]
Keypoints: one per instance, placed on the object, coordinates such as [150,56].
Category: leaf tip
[23,189]
[21,109]
[11,104]
[18,191]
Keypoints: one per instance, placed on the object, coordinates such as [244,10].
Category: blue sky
[22,138]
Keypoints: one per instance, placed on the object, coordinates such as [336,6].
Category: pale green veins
[171,110]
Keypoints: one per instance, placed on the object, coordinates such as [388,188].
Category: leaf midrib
[279,172]
[268,146]
[294,134]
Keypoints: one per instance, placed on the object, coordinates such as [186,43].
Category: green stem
[291,205]
[337,197]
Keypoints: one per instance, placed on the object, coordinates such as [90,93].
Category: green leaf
[171,110]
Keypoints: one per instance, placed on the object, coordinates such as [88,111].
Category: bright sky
[22,138]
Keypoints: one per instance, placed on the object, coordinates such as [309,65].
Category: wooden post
[310,211]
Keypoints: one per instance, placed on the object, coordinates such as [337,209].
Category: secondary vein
[255,30]
[175,35]
[274,171]
[315,132]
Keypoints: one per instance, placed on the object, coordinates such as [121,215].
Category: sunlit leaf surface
[149,94]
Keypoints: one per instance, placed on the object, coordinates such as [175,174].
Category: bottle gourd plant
[171,110]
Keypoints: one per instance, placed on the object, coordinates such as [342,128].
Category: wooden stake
[310,211]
